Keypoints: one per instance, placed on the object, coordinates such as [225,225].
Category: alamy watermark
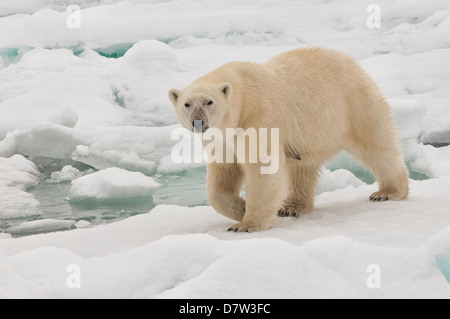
[237,146]
[374,19]
[374,279]
[74,278]
[73,20]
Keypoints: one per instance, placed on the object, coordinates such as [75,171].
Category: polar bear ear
[173,95]
[226,89]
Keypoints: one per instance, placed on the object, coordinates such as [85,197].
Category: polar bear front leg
[223,184]
[264,195]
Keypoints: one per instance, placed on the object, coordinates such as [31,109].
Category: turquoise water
[187,188]
[443,263]
[368,178]
[13,55]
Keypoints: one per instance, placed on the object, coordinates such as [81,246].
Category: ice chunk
[129,147]
[112,158]
[82,150]
[15,202]
[112,184]
[82,224]
[132,162]
[18,171]
[67,174]
[45,139]
[439,133]
[432,161]
[167,166]
[41,226]
[16,174]
[149,51]
[143,61]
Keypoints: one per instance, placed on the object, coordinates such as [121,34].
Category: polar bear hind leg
[303,182]
[374,142]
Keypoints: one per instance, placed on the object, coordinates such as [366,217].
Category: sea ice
[112,184]
[67,174]
[97,96]
[41,226]
[439,133]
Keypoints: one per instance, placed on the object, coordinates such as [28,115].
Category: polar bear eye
[187,105]
[209,103]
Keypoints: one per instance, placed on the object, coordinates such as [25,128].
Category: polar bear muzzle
[199,120]
[199,126]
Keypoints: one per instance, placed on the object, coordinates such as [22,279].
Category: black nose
[199,126]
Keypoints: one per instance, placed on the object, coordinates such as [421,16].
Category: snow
[325,254]
[112,184]
[85,119]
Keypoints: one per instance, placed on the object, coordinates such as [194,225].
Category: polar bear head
[202,105]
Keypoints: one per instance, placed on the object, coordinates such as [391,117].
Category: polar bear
[322,101]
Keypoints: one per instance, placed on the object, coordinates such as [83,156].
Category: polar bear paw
[293,209]
[249,227]
[382,196]
[379,197]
